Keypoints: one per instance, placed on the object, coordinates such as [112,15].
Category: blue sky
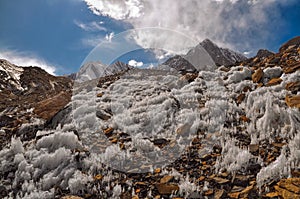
[49,30]
[59,34]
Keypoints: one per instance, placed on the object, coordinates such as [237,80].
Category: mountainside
[221,56]
[221,132]
[23,96]
[180,64]
[205,56]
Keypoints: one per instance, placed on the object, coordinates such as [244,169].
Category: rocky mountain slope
[221,56]
[28,94]
[205,56]
[232,132]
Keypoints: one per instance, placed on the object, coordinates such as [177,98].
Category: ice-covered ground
[147,107]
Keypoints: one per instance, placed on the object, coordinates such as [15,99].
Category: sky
[58,35]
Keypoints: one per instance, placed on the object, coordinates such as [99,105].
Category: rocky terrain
[227,132]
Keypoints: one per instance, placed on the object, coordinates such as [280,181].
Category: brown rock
[47,108]
[260,85]
[245,192]
[234,195]
[291,184]
[99,94]
[220,180]
[166,179]
[108,131]
[240,194]
[71,197]
[293,86]
[292,68]
[219,194]
[237,189]
[224,174]
[285,194]
[114,140]
[279,145]
[103,115]
[272,195]
[224,69]
[253,148]
[125,195]
[141,183]
[240,98]
[189,77]
[98,177]
[208,192]
[293,101]
[295,173]
[201,178]
[135,197]
[274,81]
[246,89]
[166,189]
[257,76]
[244,119]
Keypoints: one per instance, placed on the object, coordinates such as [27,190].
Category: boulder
[167,189]
[258,75]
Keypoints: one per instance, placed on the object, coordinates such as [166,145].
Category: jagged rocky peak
[180,64]
[263,53]
[221,56]
[118,66]
[291,42]
[94,70]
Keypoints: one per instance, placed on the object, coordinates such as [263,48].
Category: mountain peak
[221,56]
[262,53]
[207,42]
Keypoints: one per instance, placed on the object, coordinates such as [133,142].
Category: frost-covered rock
[273,72]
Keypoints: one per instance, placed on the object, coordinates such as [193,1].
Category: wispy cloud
[238,24]
[26,59]
[91,26]
[92,41]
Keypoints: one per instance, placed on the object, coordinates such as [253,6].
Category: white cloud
[238,24]
[25,59]
[119,9]
[92,41]
[135,63]
[92,26]
[109,36]
[247,53]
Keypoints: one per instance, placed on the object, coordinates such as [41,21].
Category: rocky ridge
[25,95]
[205,56]
[221,56]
